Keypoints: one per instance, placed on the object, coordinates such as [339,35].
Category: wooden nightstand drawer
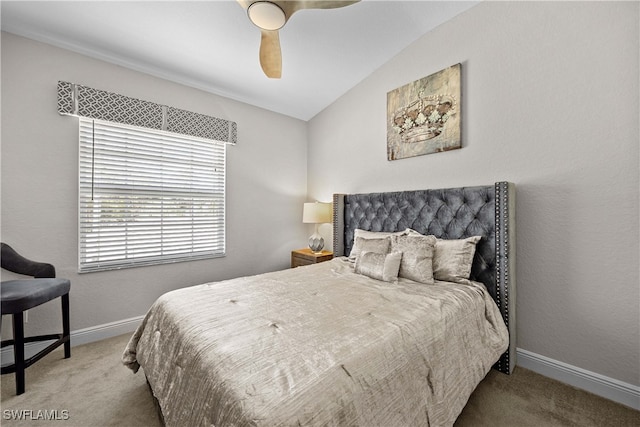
[306,256]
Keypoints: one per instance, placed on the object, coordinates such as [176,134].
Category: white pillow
[379,266]
[360,244]
[452,259]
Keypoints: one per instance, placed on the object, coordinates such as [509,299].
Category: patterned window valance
[78,100]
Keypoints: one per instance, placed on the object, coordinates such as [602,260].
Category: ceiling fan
[270,16]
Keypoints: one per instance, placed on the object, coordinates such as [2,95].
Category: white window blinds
[148,197]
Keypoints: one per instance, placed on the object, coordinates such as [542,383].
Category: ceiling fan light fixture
[266,15]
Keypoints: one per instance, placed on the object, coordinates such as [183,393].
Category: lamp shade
[316,213]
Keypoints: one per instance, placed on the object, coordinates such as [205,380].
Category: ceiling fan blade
[270,54]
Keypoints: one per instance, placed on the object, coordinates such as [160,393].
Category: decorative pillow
[379,266]
[417,256]
[452,259]
[360,244]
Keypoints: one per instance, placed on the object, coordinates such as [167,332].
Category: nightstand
[306,256]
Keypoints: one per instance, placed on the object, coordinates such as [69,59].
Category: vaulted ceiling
[212,45]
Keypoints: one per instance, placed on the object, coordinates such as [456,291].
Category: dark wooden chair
[17,296]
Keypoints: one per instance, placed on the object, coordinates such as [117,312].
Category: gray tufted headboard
[452,213]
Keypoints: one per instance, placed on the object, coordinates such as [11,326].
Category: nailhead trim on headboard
[503,285]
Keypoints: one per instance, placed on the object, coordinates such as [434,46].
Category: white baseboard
[107,330]
[79,337]
[609,388]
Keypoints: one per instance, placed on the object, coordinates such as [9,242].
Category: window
[148,197]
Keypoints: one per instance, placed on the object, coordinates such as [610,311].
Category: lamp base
[316,243]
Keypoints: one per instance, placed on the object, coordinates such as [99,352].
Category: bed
[366,339]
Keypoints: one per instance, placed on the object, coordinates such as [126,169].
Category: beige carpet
[94,389]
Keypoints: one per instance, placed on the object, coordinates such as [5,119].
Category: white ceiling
[212,45]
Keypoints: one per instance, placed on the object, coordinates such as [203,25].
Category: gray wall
[550,102]
[40,180]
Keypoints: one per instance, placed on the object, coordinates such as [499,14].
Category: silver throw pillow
[417,257]
[362,244]
[379,266]
[452,259]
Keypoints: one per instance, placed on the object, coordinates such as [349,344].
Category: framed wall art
[423,117]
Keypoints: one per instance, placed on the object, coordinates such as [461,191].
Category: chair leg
[18,351]
[65,326]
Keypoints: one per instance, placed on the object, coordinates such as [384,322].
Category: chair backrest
[16,263]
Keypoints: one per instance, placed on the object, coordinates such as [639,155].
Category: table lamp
[316,213]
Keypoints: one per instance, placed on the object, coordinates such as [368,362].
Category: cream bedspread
[317,345]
